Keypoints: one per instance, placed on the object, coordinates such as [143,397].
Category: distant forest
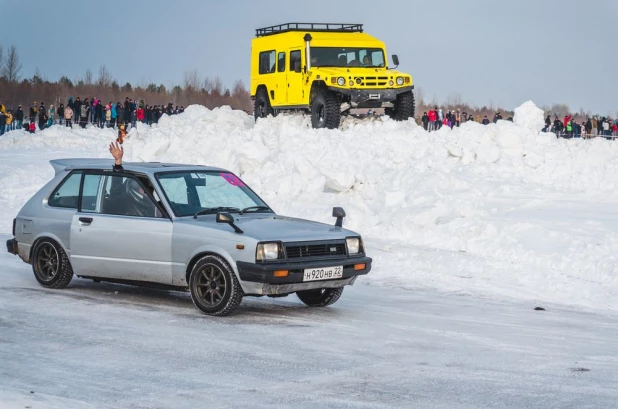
[208,91]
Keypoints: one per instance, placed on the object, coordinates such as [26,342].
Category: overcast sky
[500,52]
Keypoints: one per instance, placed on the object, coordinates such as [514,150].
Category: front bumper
[371,96]
[11,246]
[264,273]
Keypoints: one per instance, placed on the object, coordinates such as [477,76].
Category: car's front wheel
[320,297]
[51,265]
[215,290]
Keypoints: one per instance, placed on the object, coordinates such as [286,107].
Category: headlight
[341,81]
[399,80]
[353,245]
[267,251]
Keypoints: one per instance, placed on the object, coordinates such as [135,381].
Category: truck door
[294,77]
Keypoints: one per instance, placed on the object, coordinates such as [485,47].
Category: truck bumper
[371,98]
[271,285]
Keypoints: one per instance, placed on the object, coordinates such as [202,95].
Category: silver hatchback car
[180,226]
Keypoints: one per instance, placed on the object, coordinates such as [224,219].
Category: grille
[370,81]
[321,250]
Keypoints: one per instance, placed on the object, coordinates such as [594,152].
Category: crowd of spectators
[590,128]
[81,113]
[436,119]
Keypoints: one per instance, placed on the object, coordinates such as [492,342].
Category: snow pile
[500,210]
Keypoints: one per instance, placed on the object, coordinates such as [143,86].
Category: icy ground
[469,229]
[111,346]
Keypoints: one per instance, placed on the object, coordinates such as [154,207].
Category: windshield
[192,192]
[347,57]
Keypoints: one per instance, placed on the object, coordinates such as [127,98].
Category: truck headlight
[354,245]
[341,81]
[399,80]
[267,251]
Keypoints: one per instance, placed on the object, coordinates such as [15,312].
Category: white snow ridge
[502,210]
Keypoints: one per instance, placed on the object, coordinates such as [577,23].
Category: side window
[295,61]
[267,62]
[66,195]
[281,62]
[126,196]
[90,193]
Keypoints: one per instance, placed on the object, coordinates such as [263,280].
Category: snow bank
[501,210]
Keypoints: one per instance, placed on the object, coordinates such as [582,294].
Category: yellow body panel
[287,88]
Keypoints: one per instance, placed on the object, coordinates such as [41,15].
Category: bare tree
[192,81]
[105,78]
[11,71]
[1,60]
[88,77]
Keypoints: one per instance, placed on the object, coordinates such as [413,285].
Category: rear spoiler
[62,164]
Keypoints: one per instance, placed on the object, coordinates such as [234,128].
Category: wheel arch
[219,252]
[50,236]
[316,86]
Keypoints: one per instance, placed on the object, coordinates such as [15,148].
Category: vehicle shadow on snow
[180,304]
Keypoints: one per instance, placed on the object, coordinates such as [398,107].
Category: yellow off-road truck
[325,69]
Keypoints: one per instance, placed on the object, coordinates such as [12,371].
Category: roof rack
[321,27]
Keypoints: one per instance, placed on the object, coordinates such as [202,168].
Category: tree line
[16,90]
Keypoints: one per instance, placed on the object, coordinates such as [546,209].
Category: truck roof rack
[321,27]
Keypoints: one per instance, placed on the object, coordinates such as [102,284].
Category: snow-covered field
[499,210]
[469,229]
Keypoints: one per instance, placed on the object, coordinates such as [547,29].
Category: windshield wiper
[256,208]
[215,210]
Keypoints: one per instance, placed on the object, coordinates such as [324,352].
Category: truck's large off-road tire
[215,290]
[325,111]
[50,264]
[261,104]
[320,297]
[404,107]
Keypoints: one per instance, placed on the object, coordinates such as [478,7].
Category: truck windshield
[347,57]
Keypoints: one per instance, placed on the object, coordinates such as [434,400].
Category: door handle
[85,220]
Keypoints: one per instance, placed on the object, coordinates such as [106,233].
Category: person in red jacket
[140,114]
[432,120]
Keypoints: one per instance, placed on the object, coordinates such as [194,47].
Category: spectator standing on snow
[60,113]
[19,118]
[470,118]
[485,120]
[51,115]
[42,117]
[120,113]
[32,112]
[440,118]
[93,111]
[10,123]
[557,126]
[588,128]
[425,120]
[2,122]
[98,114]
[84,110]
[606,127]
[77,106]
[108,115]
[139,114]
[458,118]
[68,116]
[126,117]
[114,114]
[547,123]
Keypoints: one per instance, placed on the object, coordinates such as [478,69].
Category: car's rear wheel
[404,107]
[320,297]
[215,290]
[51,265]
[325,111]
[261,105]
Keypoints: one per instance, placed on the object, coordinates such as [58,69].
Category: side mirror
[229,219]
[395,60]
[339,213]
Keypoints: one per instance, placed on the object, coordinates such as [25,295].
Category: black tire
[404,107]
[51,265]
[320,297]
[325,111]
[215,290]
[261,105]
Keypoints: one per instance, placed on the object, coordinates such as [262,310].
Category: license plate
[323,273]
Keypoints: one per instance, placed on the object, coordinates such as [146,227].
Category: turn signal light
[359,266]
[281,273]
[407,80]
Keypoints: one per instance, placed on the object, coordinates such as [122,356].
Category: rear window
[67,193]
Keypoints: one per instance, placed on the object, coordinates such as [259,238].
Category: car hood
[280,228]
